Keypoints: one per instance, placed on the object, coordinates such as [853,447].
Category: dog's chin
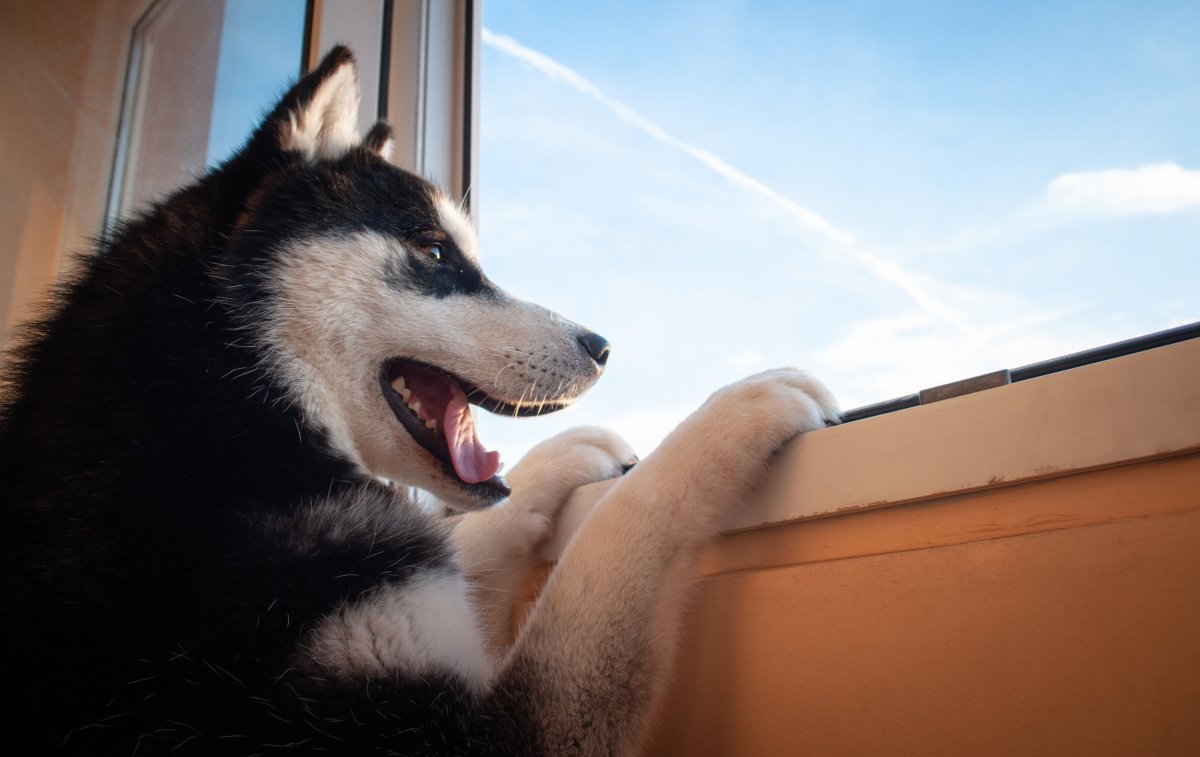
[462,497]
[408,465]
[441,481]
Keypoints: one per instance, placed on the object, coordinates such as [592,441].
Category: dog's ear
[318,118]
[379,140]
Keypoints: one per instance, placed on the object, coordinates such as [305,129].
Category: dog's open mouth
[435,408]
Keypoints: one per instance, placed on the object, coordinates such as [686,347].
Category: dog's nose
[596,346]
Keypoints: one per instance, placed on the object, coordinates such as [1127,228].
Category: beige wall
[1060,617]
[60,98]
[63,61]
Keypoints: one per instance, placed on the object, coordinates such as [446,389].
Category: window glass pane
[201,74]
[894,195]
[261,48]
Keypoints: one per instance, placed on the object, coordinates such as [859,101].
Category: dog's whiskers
[521,399]
[546,398]
[475,392]
[496,381]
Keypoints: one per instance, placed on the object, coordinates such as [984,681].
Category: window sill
[1134,408]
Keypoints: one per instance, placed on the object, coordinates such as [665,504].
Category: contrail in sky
[885,269]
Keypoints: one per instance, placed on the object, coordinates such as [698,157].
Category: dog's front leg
[496,546]
[593,657]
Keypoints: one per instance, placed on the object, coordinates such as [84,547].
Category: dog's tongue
[472,461]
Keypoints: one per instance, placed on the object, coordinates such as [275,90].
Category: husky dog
[202,552]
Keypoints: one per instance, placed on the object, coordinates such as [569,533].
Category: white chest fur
[423,627]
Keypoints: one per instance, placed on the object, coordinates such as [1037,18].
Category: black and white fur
[200,554]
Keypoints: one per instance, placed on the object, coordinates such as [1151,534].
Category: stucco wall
[59,94]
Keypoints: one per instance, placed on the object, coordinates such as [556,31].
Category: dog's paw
[506,535]
[547,475]
[723,448]
[767,409]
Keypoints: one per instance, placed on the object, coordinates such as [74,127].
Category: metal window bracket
[965,386]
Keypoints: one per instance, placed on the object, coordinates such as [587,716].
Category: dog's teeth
[431,424]
[401,388]
[415,407]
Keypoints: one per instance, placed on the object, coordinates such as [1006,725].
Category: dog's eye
[434,251]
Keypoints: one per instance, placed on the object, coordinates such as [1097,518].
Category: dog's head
[362,285]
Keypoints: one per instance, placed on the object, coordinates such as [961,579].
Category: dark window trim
[306,50]
[468,93]
[385,61]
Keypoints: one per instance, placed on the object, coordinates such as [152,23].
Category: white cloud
[895,355]
[645,427]
[1156,188]
[747,360]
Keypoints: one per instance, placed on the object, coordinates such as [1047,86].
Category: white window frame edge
[133,93]
[356,24]
[432,81]
[1128,409]
[430,50]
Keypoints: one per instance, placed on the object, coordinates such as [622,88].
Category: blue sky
[260,58]
[893,195]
